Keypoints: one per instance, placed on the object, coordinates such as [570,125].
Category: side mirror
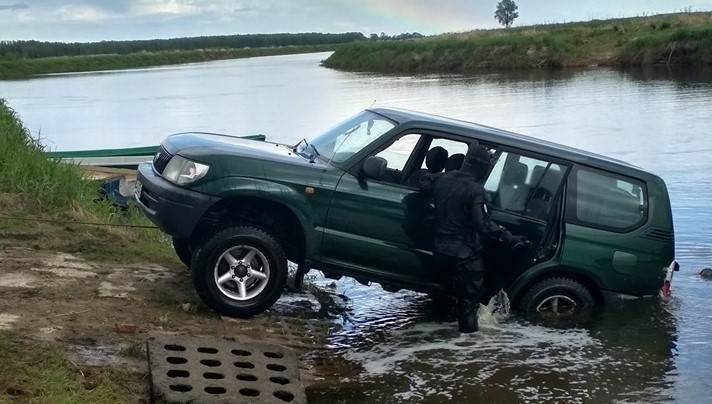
[374,168]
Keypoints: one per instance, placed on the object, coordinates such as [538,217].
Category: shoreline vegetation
[20,59]
[22,68]
[669,39]
[50,198]
[47,201]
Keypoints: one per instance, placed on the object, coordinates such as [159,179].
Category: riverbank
[683,38]
[20,68]
[78,301]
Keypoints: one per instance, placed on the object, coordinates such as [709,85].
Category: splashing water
[495,312]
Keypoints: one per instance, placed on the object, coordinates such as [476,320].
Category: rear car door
[604,214]
[524,192]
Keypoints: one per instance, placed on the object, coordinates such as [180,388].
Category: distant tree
[506,12]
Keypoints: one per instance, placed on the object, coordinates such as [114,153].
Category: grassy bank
[35,187]
[684,38]
[13,69]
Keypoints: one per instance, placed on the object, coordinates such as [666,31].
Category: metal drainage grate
[206,370]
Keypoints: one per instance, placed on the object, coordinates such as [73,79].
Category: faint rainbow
[416,17]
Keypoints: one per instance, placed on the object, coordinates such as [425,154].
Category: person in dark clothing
[461,223]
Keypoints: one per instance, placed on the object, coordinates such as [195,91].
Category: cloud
[144,8]
[13,7]
[82,13]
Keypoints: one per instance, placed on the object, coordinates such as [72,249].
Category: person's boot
[467,317]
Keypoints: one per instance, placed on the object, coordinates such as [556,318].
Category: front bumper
[175,210]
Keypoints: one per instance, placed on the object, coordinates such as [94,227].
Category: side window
[443,155]
[523,185]
[397,154]
[608,200]
[456,153]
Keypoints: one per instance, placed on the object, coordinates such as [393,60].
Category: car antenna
[372,104]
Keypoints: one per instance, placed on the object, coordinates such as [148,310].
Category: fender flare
[294,201]
[550,270]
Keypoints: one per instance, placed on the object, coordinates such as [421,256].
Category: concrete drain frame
[208,370]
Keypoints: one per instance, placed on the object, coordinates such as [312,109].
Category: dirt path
[103,313]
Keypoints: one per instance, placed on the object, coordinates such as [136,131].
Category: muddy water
[402,347]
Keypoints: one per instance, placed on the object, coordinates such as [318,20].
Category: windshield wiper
[302,151]
[296,146]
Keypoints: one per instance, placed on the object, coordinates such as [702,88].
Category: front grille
[658,234]
[161,159]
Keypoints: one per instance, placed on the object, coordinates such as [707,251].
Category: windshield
[351,136]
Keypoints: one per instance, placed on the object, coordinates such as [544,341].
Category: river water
[392,348]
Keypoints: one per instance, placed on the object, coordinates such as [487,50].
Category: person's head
[476,161]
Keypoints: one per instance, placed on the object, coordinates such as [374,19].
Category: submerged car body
[348,203]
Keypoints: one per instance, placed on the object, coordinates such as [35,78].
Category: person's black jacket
[461,216]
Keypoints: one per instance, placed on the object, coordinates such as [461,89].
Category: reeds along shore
[683,38]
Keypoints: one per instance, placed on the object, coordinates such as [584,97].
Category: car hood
[234,154]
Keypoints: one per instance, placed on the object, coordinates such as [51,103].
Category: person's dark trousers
[468,287]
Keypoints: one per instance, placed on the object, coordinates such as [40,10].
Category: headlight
[181,171]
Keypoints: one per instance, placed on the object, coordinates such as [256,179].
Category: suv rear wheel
[558,298]
[240,271]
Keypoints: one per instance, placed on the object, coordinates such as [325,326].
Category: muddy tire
[239,271]
[558,298]
[183,250]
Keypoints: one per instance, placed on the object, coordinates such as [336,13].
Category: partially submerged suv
[348,203]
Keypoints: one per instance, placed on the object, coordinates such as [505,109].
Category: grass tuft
[41,372]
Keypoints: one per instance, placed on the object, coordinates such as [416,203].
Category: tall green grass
[683,38]
[26,170]
[36,187]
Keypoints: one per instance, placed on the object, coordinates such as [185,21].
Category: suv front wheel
[239,271]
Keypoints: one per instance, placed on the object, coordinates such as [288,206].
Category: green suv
[348,204]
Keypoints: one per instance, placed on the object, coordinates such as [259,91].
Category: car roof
[500,136]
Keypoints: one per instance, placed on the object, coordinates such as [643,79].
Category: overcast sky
[94,20]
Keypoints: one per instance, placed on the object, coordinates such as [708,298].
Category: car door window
[523,185]
[456,152]
[398,153]
[443,155]
[608,201]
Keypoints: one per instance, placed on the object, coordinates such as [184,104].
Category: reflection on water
[401,347]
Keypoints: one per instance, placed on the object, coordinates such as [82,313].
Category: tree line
[13,50]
